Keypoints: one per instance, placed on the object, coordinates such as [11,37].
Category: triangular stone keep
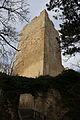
[39,49]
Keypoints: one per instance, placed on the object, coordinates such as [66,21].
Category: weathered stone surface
[49,104]
[39,49]
[26,101]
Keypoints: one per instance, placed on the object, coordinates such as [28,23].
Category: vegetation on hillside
[67,83]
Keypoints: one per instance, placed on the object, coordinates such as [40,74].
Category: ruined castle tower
[39,49]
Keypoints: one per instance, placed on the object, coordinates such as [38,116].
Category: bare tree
[11,11]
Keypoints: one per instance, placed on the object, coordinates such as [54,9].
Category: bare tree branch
[11,12]
[8,42]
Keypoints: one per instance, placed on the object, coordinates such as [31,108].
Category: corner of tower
[44,17]
[44,12]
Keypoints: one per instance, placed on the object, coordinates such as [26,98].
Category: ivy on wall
[67,83]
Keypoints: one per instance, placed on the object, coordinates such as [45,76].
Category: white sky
[36,6]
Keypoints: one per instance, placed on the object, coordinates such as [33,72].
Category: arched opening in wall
[26,101]
[30,107]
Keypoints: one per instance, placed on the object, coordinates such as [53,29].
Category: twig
[8,43]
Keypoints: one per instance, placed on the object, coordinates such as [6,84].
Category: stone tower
[39,49]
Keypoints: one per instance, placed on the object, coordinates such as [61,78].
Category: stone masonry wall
[39,49]
[52,55]
[29,60]
[49,104]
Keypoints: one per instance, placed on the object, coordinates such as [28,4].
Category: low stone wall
[49,104]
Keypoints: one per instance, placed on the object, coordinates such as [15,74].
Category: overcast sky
[36,6]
